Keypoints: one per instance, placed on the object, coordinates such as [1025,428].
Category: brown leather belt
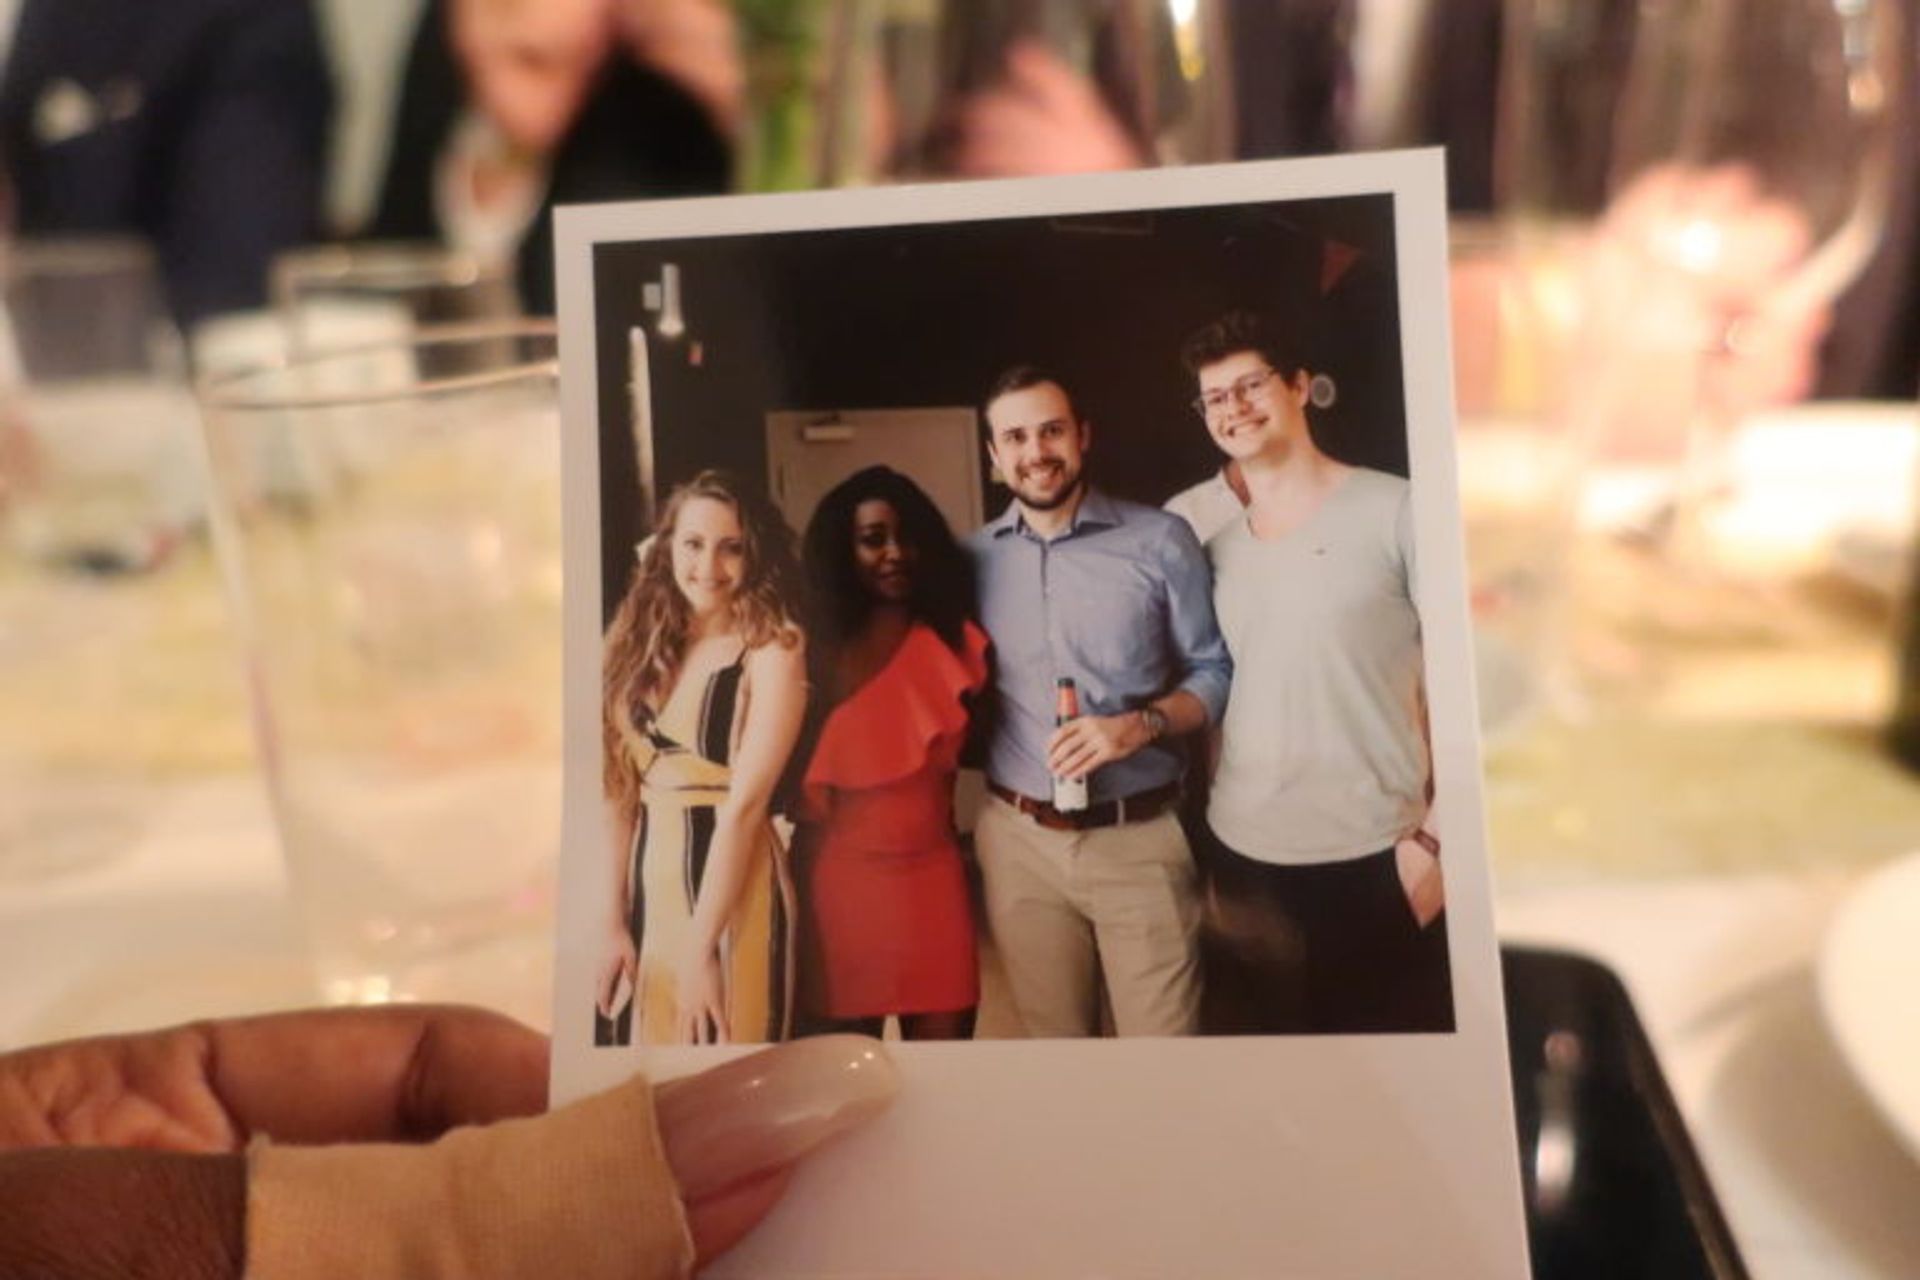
[1138,807]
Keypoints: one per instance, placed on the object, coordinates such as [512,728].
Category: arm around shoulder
[1206,668]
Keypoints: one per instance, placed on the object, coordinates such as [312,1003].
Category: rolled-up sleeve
[1200,650]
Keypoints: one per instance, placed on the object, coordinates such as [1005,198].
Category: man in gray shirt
[1116,596]
[1320,822]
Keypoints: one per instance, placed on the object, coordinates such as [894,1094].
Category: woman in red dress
[898,662]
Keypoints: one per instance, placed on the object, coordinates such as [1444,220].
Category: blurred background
[1685,245]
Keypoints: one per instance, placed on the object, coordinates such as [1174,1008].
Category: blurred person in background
[1320,76]
[1313,77]
[606,99]
[509,107]
[200,125]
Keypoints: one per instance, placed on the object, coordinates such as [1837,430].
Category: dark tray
[1614,1189]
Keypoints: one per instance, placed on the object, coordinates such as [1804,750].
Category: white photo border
[1324,1156]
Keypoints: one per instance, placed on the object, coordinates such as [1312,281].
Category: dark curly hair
[1238,331]
[943,583]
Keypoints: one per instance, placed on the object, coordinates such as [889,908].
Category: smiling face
[709,555]
[1249,408]
[1037,444]
[882,558]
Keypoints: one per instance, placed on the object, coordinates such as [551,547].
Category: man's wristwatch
[1154,720]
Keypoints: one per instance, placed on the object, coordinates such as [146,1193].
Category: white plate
[1870,991]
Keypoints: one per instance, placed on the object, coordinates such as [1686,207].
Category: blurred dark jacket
[638,136]
[199,124]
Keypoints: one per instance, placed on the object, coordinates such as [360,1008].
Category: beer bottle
[1069,794]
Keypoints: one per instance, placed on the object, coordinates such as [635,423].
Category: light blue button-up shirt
[1122,601]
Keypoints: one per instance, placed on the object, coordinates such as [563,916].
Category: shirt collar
[1096,511]
[1007,521]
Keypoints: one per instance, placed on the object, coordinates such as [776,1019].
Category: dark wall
[926,315]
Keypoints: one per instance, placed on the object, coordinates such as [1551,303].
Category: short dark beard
[1066,495]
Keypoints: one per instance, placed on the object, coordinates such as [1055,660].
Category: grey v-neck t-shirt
[1323,757]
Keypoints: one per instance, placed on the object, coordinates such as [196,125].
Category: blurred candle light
[1186,37]
[1697,245]
[673,323]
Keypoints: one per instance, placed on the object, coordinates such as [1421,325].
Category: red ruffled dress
[892,923]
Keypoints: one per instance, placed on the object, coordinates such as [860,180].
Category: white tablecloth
[194,921]
[1814,1184]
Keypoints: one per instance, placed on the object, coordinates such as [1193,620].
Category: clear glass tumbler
[1521,470]
[401,622]
[102,684]
[337,295]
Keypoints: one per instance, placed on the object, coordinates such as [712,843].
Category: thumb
[733,1133]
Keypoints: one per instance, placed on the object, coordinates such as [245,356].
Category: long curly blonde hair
[647,640]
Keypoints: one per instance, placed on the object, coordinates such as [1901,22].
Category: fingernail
[766,1110]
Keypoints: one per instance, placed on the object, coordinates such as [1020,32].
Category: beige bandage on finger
[583,1192]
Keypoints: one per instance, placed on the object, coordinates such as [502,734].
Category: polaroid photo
[1028,621]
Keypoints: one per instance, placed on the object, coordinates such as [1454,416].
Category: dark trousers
[1329,948]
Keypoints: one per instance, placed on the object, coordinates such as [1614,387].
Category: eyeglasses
[1242,389]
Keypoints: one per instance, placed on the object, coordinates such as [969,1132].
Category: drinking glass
[1683,184]
[1701,176]
[342,295]
[99,490]
[849,92]
[330,297]
[1520,475]
[402,629]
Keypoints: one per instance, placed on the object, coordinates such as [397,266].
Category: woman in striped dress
[704,691]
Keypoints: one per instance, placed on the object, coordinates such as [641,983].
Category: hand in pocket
[1420,880]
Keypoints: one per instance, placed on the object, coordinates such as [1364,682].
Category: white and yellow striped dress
[682,756]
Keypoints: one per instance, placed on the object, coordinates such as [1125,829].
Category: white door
[809,452]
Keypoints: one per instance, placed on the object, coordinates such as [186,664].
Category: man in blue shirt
[1117,596]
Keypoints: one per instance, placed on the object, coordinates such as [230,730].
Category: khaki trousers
[1122,897]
